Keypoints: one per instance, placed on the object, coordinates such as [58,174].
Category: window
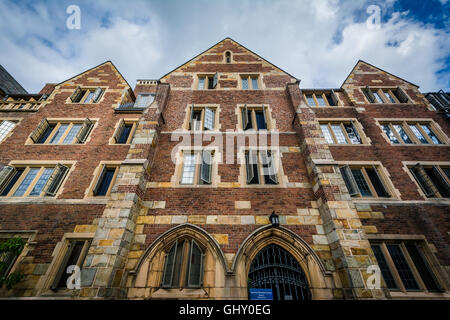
[124,132]
[183,265]
[261,167]
[340,133]
[208,81]
[364,181]
[228,57]
[321,99]
[105,180]
[74,256]
[254,118]
[86,95]
[31,181]
[412,132]
[197,168]
[433,180]
[67,132]
[6,126]
[404,266]
[249,82]
[202,118]
[378,95]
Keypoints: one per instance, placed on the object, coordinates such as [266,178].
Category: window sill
[178,293]
[349,145]
[419,295]
[419,145]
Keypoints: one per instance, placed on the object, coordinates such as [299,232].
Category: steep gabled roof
[371,65]
[8,84]
[218,43]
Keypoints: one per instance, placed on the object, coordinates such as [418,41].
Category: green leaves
[9,250]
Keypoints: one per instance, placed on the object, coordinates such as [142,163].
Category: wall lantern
[274,219]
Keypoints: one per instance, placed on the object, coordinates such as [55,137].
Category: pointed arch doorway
[276,269]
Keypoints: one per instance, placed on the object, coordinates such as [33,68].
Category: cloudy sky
[317,41]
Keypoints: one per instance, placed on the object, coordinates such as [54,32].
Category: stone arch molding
[169,236]
[319,279]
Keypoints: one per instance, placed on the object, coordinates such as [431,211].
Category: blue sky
[317,41]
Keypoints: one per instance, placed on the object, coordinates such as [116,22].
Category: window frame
[405,124]
[253,109]
[198,167]
[192,108]
[379,170]
[436,194]
[342,123]
[424,253]
[57,123]
[323,95]
[276,160]
[98,173]
[10,132]
[41,169]
[185,264]
[88,90]
[119,129]
[369,90]
[208,77]
[249,78]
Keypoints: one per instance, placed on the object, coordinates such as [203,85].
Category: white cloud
[148,39]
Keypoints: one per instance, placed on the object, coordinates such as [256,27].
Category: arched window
[228,56]
[183,266]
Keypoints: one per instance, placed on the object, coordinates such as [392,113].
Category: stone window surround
[133,121]
[205,75]
[408,164]
[216,158]
[365,141]
[30,240]
[429,254]
[58,255]
[39,163]
[276,154]
[83,87]
[434,126]
[323,94]
[379,90]
[89,193]
[270,122]
[384,176]
[199,106]
[17,121]
[58,121]
[249,77]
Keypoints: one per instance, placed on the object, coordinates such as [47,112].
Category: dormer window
[228,57]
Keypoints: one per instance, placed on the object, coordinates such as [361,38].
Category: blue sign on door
[261,294]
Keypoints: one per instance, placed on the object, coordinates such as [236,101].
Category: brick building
[168,190]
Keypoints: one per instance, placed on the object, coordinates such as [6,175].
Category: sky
[317,41]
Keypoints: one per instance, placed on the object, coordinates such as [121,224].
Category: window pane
[402,133]
[5,128]
[197,119]
[361,182]
[125,133]
[72,133]
[388,96]
[26,182]
[254,83]
[377,183]
[89,97]
[187,176]
[310,99]
[260,120]
[446,171]
[62,128]
[421,180]
[387,130]
[177,268]
[438,181]
[431,134]
[107,178]
[194,275]
[46,133]
[209,119]
[320,100]
[330,99]
[384,268]
[73,258]
[402,267]
[338,133]
[201,83]
[41,182]
[377,96]
[244,83]
[210,83]
[326,133]
[418,134]
[352,133]
[12,182]
[422,267]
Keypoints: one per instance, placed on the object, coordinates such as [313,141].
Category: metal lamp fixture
[274,219]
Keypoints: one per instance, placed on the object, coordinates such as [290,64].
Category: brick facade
[325,229]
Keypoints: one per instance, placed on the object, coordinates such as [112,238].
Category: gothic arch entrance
[275,268]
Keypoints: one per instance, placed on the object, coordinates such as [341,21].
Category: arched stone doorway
[276,269]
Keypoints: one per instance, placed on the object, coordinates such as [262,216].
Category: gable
[213,60]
